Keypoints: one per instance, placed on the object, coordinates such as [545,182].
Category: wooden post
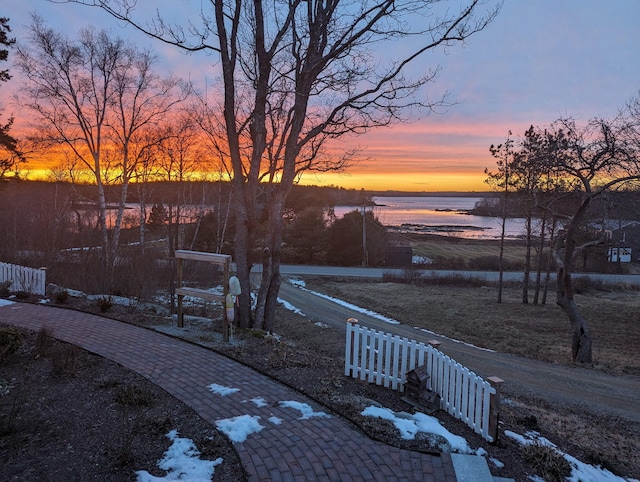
[435,343]
[181,291]
[225,320]
[352,340]
[494,408]
[179,282]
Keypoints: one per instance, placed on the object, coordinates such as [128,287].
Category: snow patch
[239,428]
[222,390]
[181,462]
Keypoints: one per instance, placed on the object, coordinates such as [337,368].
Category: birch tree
[95,96]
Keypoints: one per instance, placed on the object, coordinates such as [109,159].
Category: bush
[407,275]
[485,263]
[132,395]
[4,287]
[104,303]
[64,360]
[61,296]
[10,342]
[547,462]
[44,340]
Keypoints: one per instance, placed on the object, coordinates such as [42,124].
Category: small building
[398,256]
[624,243]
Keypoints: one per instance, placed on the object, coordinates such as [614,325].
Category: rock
[53,290]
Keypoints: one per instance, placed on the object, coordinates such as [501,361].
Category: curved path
[317,448]
[581,388]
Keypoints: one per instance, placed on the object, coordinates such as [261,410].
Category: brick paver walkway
[314,449]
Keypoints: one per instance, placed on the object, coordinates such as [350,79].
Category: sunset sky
[540,60]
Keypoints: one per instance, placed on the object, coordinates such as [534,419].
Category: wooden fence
[385,359]
[31,280]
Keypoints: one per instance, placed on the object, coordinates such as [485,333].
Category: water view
[443,215]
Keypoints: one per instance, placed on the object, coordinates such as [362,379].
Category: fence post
[435,343]
[179,283]
[225,292]
[494,407]
[353,322]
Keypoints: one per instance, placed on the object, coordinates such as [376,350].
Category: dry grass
[465,250]
[535,331]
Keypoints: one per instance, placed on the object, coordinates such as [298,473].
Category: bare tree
[178,158]
[502,181]
[296,75]
[95,96]
[595,158]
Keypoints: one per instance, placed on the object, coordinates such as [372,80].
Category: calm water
[438,215]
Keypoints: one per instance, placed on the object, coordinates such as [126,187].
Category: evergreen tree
[9,155]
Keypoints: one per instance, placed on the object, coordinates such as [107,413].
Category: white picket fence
[31,280]
[385,359]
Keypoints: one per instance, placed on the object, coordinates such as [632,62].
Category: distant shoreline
[432,194]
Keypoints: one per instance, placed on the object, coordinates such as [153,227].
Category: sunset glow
[509,76]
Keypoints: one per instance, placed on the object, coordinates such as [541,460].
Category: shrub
[407,275]
[104,303]
[132,395]
[4,287]
[44,340]
[547,462]
[14,399]
[10,342]
[64,361]
[485,263]
[61,296]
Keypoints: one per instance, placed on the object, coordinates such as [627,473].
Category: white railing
[31,280]
[385,359]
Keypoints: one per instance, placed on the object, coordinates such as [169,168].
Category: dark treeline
[615,205]
[173,192]
[55,225]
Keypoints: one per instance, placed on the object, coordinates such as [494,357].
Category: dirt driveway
[576,388]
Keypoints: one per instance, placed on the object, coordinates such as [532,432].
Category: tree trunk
[142,196]
[271,279]
[547,277]
[242,254]
[527,262]
[501,258]
[543,234]
[115,229]
[581,341]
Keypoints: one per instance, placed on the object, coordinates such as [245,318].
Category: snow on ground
[298,283]
[290,307]
[181,462]
[580,472]
[239,428]
[454,340]
[222,390]
[410,424]
[305,410]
